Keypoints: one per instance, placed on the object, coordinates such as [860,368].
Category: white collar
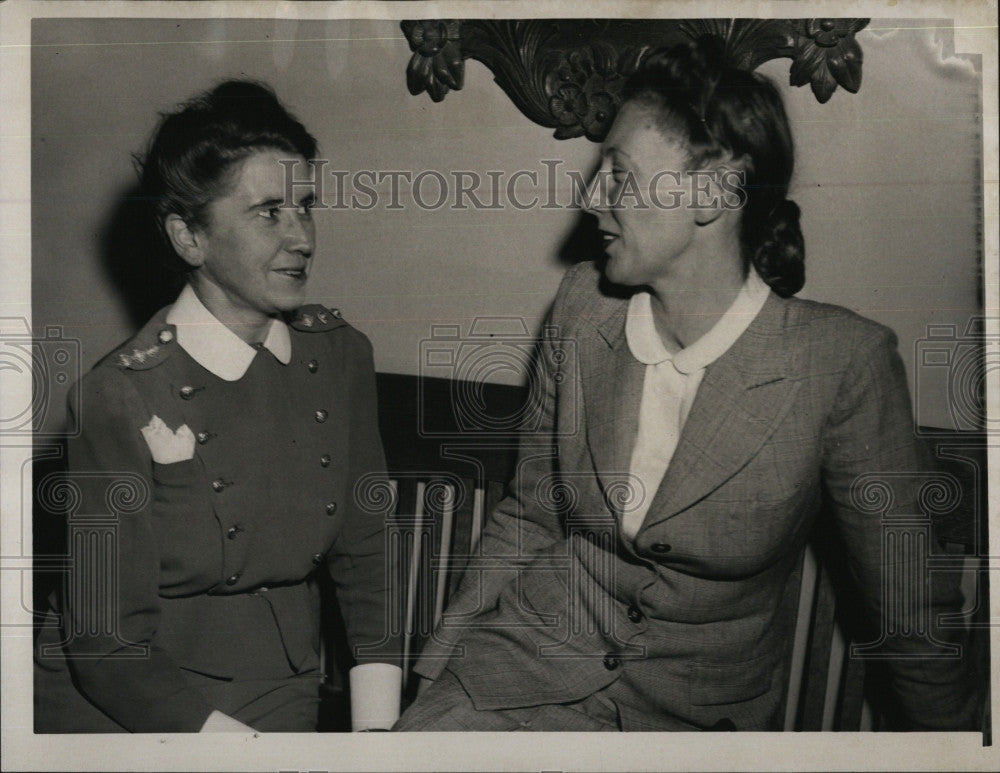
[647,347]
[214,346]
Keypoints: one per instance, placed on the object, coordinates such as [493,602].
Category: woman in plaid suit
[684,452]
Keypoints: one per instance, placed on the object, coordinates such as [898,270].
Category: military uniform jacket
[214,553]
[685,625]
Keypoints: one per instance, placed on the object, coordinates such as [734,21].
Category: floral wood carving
[567,74]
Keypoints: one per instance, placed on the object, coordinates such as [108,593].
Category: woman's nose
[300,233]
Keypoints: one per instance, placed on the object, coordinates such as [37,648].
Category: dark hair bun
[781,253]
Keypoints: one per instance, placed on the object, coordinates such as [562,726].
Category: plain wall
[888,180]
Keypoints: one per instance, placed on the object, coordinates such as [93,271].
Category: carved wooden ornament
[567,74]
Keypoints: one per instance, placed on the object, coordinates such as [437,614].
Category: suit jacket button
[660,547]
[331,508]
[187,392]
[313,366]
[320,416]
[233,579]
[634,613]
[318,559]
[218,485]
[324,460]
[203,437]
[611,662]
[232,531]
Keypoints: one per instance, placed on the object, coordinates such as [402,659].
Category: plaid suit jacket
[685,626]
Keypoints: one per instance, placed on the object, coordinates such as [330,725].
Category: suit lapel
[742,398]
[612,391]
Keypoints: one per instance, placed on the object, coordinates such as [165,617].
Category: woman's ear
[725,189]
[184,240]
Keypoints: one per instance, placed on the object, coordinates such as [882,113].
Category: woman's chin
[613,271]
[290,301]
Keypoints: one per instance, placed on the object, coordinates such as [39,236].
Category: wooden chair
[447,482]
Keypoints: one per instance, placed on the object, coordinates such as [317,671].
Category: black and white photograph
[375,373]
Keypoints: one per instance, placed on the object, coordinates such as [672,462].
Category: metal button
[321,416]
[187,392]
[336,313]
[318,559]
[219,484]
[331,508]
[634,614]
[165,337]
[232,531]
[203,437]
[660,547]
[233,579]
[611,662]
[324,460]
[313,366]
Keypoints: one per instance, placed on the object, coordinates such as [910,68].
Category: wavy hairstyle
[722,111]
[193,149]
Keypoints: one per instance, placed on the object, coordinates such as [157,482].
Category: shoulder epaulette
[316,319]
[153,344]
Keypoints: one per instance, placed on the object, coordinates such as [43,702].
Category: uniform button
[233,579]
[219,484]
[203,437]
[165,336]
[232,531]
[318,559]
[313,366]
[660,547]
[321,416]
[611,662]
[324,460]
[336,313]
[187,392]
[634,614]
[331,508]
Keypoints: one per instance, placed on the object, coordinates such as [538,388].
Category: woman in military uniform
[242,422]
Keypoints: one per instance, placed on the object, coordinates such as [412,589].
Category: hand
[218,722]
